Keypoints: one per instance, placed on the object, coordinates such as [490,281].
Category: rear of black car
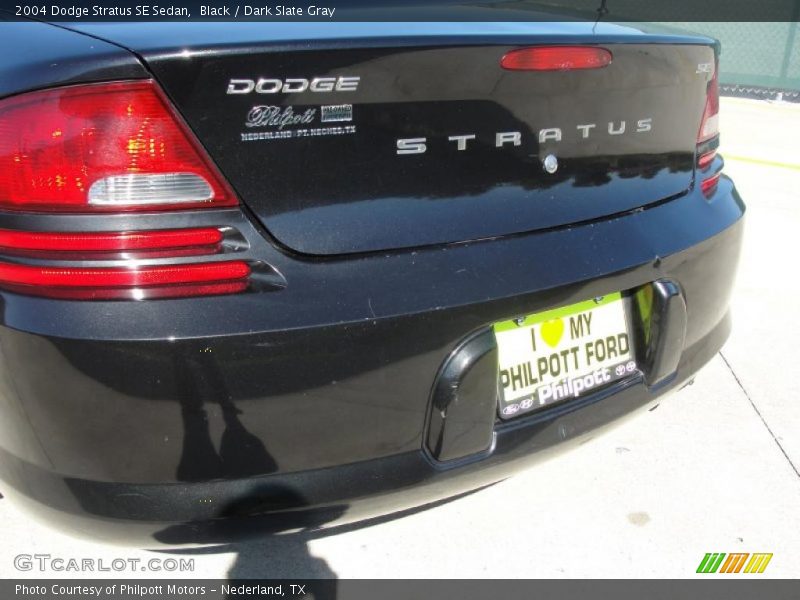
[254,283]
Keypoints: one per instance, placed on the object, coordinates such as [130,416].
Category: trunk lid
[327,152]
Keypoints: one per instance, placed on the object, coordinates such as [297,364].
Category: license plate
[562,354]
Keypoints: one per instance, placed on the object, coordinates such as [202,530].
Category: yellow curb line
[761,161]
[761,104]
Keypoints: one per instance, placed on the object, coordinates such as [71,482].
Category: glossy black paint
[113,398]
[36,55]
[306,401]
[353,193]
[163,39]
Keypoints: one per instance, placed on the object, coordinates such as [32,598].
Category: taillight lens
[709,125]
[556,58]
[707,138]
[113,241]
[705,160]
[709,184]
[134,282]
[109,148]
[102,147]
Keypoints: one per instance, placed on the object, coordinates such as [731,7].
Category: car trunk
[411,146]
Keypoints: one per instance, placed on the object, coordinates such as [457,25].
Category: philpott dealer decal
[287,122]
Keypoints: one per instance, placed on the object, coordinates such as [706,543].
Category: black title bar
[404,10]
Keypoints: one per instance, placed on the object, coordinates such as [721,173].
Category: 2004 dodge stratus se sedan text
[267,277]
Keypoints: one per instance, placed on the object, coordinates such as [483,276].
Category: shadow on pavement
[287,555]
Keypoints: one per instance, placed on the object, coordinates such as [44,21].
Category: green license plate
[562,354]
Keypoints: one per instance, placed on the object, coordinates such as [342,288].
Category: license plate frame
[556,356]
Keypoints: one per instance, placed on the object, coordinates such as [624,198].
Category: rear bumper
[169,420]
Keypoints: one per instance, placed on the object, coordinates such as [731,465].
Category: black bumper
[310,405]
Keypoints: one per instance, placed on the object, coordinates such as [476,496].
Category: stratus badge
[463,142]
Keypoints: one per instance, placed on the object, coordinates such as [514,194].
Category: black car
[260,277]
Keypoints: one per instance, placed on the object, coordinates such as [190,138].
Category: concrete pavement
[713,469]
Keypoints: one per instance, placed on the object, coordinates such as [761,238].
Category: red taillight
[102,147]
[108,147]
[135,282]
[706,159]
[707,135]
[556,58]
[709,125]
[708,185]
[114,241]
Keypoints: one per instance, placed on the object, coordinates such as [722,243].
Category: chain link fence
[759,59]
